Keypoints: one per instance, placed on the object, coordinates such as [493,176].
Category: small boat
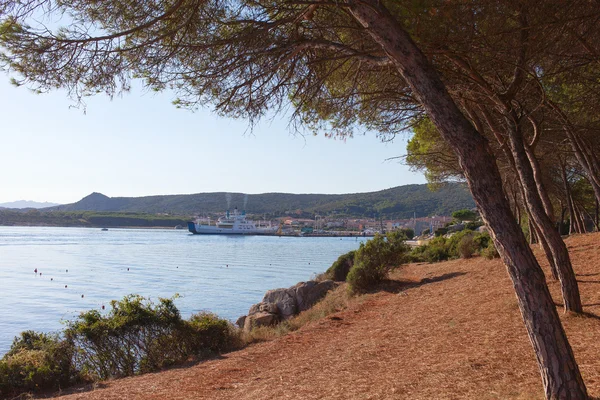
[231,224]
[104,229]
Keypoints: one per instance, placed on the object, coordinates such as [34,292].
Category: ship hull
[213,230]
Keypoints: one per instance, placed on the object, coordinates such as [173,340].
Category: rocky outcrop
[282,304]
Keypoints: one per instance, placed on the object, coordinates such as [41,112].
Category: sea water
[79,269]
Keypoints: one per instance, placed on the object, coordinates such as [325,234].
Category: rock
[254,309]
[284,299]
[240,321]
[268,307]
[309,293]
[259,319]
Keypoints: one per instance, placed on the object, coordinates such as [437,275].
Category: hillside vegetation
[87,219]
[398,202]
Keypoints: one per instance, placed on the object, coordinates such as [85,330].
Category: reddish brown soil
[455,333]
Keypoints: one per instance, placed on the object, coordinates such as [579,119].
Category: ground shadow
[598,273]
[393,286]
[582,281]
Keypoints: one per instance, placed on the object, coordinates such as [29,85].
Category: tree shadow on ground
[393,286]
[582,281]
[595,274]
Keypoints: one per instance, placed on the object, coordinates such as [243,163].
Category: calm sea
[83,268]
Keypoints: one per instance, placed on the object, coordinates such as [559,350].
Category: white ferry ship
[235,224]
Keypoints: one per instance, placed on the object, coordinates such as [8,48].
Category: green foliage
[440,231]
[434,251]
[473,225]
[340,268]
[490,251]
[427,152]
[462,244]
[37,362]
[210,335]
[408,232]
[465,215]
[138,336]
[375,258]
[454,241]
[426,232]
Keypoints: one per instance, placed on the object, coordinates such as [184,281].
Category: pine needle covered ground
[445,331]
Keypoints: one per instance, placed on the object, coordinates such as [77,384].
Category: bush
[490,251]
[37,362]
[340,268]
[466,247]
[454,243]
[482,240]
[375,258]
[211,334]
[138,336]
[426,232]
[441,231]
[408,232]
[473,225]
[464,215]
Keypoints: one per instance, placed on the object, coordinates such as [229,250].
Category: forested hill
[398,202]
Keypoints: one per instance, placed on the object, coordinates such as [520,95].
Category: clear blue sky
[140,144]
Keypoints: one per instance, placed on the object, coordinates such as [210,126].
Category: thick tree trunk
[559,370]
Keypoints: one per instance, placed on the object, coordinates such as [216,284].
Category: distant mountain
[27,204]
[398,202]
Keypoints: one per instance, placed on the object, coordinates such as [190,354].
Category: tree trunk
[562,217]
[532,232]
[560,254]
[539,182]
[597,223]
[560,374]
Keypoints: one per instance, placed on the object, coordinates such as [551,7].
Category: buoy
[35,270]
[65,286]
[67,270]
[127,269]
[82,296]
[51,279]
[103,306]
[40,274]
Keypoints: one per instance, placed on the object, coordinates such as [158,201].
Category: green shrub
[473,225]
[490,251]
[340,268]
[466,247]
[364,276]
[464,215]
[408,232]
[441,231]
[138,336]
[35,362]
[426,232]
[482,240]
[211,334]
[375,258]
[436,250]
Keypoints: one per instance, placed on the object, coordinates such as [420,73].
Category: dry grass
[450,330]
